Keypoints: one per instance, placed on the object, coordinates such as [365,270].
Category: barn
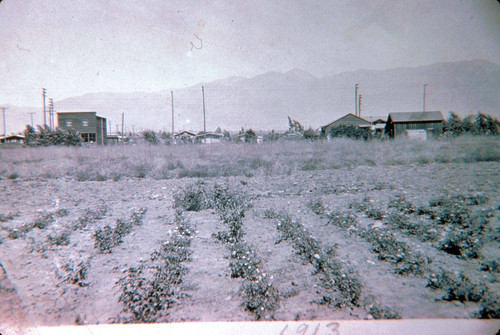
[88,125]
[347,120]
[414,124]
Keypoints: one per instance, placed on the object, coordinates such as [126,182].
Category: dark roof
[350,115]
[416,116]
[85,112]
[185,132]
[213,135]
[12,137]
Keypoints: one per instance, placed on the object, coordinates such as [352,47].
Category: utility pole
[110,128]
[204,120]
[31,118]
[359,105]
[44,94]
[423,108]
[356,87]
[123,118]
[51,113]
[172,102]
[4,127]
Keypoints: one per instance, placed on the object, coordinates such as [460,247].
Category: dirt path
[214,294]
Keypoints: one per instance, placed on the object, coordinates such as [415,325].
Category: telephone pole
[51,113]
[123,118]
[356,88]
[172,103]
[31,118]
[44,94]
[204,120]
[359,105]
[4,127]
[423,108]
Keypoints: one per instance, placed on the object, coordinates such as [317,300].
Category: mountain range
[264,102]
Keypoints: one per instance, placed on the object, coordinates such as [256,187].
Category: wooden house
[347,120]
[88,125]
[412,124]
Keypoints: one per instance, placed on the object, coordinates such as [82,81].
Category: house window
[88,137]
[85,123]
[69,123]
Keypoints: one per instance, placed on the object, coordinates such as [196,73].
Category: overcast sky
[80,46]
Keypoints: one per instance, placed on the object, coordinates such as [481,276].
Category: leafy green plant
[60,239]
[77,274]
[316,206]
[260,297]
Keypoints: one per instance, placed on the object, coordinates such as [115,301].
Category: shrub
[192,198]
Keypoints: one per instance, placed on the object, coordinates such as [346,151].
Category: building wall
[348,120]
[87,124]
[433,129]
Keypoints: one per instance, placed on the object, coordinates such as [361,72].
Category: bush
[47,137]
[353,132]
[192,198]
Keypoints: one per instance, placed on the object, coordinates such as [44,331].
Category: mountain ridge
[266,100]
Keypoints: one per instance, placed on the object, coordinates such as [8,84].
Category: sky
[76,47]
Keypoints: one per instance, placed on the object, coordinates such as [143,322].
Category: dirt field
[439,258]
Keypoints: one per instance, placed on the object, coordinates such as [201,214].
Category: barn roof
[348,116]
[12,137]
[416,116]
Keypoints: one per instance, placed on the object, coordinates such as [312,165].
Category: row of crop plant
[456,228]
[260,296]
[154,285]
[340,285]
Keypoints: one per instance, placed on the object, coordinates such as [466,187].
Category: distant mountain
[265,101]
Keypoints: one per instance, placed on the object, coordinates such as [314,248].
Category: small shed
[11,141]
[209,138]
[184,137]
[347,120]
[398,124]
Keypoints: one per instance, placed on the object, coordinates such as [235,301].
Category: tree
[310,134]
[250,136]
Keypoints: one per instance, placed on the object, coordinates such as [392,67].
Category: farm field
[287,231]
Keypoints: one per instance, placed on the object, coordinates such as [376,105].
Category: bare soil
[34,292]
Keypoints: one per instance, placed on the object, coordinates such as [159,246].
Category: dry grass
[280,158]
